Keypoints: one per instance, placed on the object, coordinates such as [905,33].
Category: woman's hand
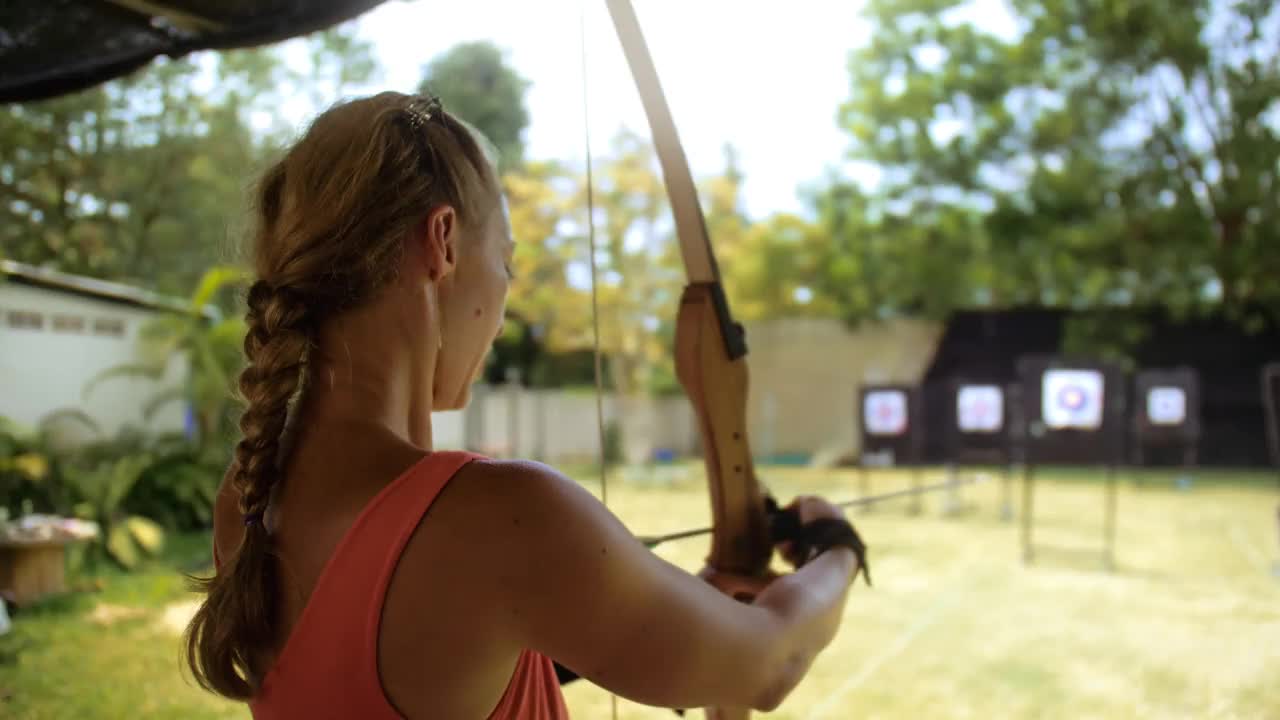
[808,508]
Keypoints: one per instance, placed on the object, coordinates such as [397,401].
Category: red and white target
[1166,405]
[884,412]
[1071,399]
[980,408]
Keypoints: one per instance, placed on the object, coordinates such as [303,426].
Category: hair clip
[422,109]
[251,518]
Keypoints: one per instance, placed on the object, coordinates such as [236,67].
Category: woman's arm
[576,585]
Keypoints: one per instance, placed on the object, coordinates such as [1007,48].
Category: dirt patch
[177,615]
[106,614]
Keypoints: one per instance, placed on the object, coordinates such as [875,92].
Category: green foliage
[1098,154]
[209,347]
[475,83]
[136,483]
[179,488]
[28,471]
[142,179]
[1107,336]
[99,476]
[133,485]
[136,180]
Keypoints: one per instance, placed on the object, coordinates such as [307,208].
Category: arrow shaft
[652,541]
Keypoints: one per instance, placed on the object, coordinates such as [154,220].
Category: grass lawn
[111,651]
[1186,626]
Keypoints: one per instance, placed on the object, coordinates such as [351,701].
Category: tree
[135,181]
[542,200]
[142,179]
[637,266]
[638,269]
[1106,153]
[339,61]
[770,268]
[474,82]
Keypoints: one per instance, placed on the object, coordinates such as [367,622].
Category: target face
[884,412]
[1071,399]
[980,408]
[1166,406]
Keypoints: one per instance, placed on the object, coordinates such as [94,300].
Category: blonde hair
[331,216]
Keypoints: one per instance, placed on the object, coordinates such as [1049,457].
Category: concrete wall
[804,385]
[562,426]
[805,375]
[46,368]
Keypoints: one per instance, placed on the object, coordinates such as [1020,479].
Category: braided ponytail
[331,219]
[244,590]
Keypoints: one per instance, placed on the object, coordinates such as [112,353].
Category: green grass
[106,651]
[1186,626]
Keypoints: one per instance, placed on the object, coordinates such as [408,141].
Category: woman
[362,574]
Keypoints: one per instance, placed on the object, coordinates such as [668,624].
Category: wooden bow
[710,351]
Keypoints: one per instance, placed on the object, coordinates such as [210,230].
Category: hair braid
[276,347]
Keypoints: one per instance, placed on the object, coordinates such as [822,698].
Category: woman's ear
[440,241]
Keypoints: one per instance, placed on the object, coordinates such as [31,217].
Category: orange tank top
[328,667]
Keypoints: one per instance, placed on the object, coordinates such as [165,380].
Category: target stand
[1167,415]
[1075,408]
[891,420]
[980,433]
[1271,404]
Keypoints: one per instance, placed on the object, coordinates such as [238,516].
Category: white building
[59,331]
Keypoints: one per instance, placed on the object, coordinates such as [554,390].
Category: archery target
[1166,405]
[1071,399]
[980,409]
[885,412]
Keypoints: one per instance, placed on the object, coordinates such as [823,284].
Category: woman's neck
[369,371]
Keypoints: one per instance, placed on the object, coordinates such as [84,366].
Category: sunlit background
[1031,244]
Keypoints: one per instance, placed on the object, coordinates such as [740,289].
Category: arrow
[652,541]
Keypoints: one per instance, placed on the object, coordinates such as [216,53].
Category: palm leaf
[75,414]
[16,429]
[132,370]
[160,399]
[228,335]
[123,474]
[214,280]
[209,361]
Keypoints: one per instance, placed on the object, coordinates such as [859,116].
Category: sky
[766,77]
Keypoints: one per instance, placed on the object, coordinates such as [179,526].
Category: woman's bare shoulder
[519,497]
[552,568]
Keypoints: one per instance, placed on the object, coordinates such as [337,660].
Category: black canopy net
[54,47]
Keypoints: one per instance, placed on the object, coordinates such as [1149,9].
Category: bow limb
[710,349]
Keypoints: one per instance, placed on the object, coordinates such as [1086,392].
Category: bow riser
[717,387]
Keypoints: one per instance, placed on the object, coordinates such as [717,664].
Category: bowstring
[595,295]
[591,245]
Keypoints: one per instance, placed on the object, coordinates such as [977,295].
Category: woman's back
[375,615]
